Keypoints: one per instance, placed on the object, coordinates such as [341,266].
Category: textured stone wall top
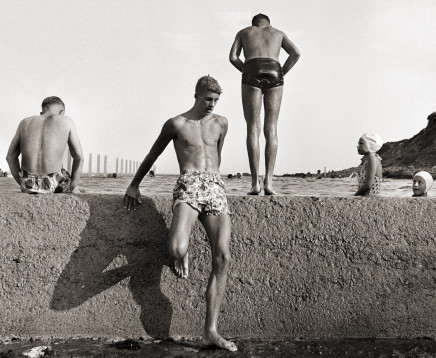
[302,267]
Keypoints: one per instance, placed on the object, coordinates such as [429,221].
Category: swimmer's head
[369,143]
[422,183]
[207,84]
[53,104]
[257,20]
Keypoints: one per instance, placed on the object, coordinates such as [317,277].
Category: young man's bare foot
[181,266]
[212,338]
[255,189]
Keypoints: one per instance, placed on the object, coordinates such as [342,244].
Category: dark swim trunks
[263,73]
[45,183]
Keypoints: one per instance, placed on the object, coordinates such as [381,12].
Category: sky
[124,67]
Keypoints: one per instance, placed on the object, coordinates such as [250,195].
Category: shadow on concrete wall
[115,245]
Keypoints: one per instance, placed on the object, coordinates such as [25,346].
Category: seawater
[163,184]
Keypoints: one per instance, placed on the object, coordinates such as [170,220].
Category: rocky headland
[400,159]
[404,158]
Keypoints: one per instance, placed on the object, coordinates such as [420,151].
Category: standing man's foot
[255,189]
[181,266]
[269,190]
[214,339]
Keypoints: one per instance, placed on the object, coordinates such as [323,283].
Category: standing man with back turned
[41,141]
[198,137]
[262,75]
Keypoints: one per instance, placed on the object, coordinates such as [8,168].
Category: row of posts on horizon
[122,166]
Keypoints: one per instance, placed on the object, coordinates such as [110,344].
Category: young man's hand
[132,198]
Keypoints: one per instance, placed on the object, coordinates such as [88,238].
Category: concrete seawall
[80,266]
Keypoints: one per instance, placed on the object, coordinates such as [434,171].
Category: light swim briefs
[262,73]
[32,183]
[203,191]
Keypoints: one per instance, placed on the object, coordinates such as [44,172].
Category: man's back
[262,81]
[263,42]
[43,140]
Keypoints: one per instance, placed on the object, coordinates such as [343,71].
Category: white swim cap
[373,140]
[427,178]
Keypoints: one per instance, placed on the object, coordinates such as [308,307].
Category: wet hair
[47,102]
[259,17]
[207,83]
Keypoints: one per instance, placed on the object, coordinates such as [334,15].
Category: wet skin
[198,137]
[419,186]
[262,41]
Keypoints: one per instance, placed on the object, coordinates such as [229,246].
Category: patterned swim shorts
[45,183]
[203,191]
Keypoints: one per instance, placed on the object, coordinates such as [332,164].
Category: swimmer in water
[370,176]
[422,183]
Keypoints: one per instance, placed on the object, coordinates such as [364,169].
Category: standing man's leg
[252,103]
[218,228]
[272,102]
[184,218]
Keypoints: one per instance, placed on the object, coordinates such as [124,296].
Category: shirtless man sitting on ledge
[41,141]
[198,137]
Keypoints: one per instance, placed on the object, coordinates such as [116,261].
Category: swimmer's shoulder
[30,121]
[181,120]
[245,30]
[176,121]
[276,31]
[252,29]
[60,121]
[60,118]
[23,125]
[174,124]
[221,121]
[253,33]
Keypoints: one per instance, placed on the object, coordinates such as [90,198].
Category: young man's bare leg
[272,103]
[218,229]
[252,103]
[184,218]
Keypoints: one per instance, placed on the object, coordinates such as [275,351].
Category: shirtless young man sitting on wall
[198,137]
[262,76]
[41,141]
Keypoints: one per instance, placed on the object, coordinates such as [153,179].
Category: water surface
[163,184]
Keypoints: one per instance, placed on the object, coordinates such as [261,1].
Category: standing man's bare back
[263,42]
[41,141]
[262,79]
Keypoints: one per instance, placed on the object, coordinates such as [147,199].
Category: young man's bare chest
[198,133]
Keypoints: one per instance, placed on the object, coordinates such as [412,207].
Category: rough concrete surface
[352,348]
[305,268]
